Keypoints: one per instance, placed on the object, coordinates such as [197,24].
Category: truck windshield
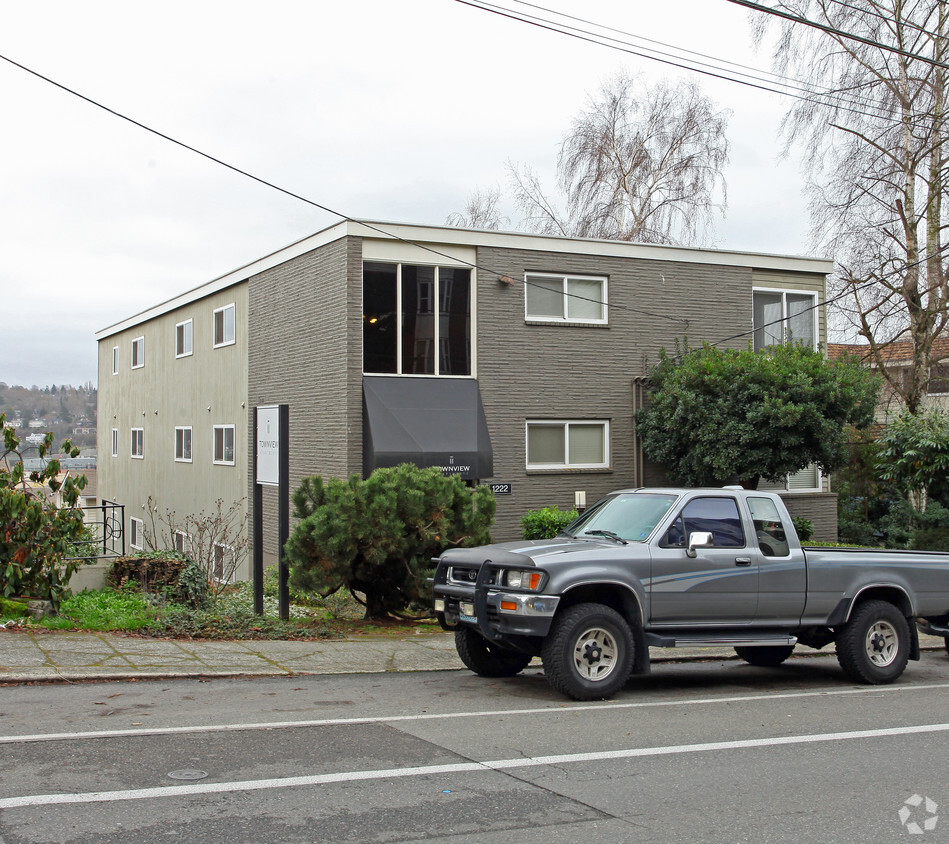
[631,515]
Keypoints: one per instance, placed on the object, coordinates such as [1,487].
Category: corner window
[225,323]
[224,444]
[784,316]
[136,533]
[138,442]
[416,320]
[184,338]
[808,479]
[115,360]
[183,444]
[138,353]
[568,445]
[560,298]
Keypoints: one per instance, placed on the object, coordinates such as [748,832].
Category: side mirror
[698,539]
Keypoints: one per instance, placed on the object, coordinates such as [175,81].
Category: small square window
[183,444]
[138,353]
[558,298]
[225,323]
[136,533]
[138,443]
[115,442]
[224,444]
[184,338]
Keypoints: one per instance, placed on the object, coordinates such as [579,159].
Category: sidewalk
[50,657]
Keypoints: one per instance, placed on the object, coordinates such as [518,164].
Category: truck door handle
[742,561]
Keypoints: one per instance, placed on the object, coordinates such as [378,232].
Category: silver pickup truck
[673,568]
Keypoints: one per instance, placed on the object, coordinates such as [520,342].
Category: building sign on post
[272,468]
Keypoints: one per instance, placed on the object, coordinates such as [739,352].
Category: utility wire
[839,33]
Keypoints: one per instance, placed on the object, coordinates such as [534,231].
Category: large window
[568,445]
[183,444]
[225,326]
[565,298]
[138,352]
[184,338]
[784,316]
[138,442]
[416,319]
[224,444]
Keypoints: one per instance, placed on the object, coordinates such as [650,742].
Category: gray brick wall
[303,350]
[586,372]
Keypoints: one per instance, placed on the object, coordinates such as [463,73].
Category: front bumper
[496,612]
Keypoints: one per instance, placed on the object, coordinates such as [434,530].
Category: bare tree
[639,163]
[874,134]
[481,211]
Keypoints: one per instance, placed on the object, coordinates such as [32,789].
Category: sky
[384,110]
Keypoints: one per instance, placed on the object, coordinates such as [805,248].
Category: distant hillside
[62,409]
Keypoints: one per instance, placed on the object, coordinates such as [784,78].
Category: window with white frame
[938,379]
[138,442]
[224,563]
[224,444]
[565,298]
[138,353]
[808,479]
[115,442]
[416,319]
[183,444]
[182,542]
[184,338]
[784,316]
[115,360]
[225,326]
[136,532]
[563,444]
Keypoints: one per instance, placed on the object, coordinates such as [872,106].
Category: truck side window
[718,516]
[769,529]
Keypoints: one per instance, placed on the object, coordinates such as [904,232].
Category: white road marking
[463,767]
[441,716]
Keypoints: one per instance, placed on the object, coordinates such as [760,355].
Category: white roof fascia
[429,238]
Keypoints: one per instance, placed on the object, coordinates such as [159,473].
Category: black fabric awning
[426,421]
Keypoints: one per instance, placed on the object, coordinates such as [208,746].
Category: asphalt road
[698,752]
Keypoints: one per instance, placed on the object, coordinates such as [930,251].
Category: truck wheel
[873,646]
[487,659]
[766,656]
[588,654]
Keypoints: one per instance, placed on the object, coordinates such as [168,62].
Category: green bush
[930,539]
[804,528]
[546,523]
[377,537]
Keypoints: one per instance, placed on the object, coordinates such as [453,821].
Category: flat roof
[429,238]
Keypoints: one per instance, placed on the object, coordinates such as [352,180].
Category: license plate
[469,618]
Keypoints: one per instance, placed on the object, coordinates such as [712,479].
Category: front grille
[467,576]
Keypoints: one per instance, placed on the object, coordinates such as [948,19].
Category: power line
[796,89]
[831,30]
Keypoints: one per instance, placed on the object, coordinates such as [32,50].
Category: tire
[873,647]
[487,659]
[588,654]
[765,656]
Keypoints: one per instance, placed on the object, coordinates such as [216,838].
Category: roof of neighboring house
[897,352]
[432,236]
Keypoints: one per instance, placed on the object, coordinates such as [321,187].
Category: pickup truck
[673,568]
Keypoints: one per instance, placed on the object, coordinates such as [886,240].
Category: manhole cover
[188,775]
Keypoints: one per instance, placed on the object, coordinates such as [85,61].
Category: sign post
[272,468]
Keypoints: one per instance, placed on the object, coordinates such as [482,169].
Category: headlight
[522,579]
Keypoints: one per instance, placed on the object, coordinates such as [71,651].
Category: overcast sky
[378,109]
